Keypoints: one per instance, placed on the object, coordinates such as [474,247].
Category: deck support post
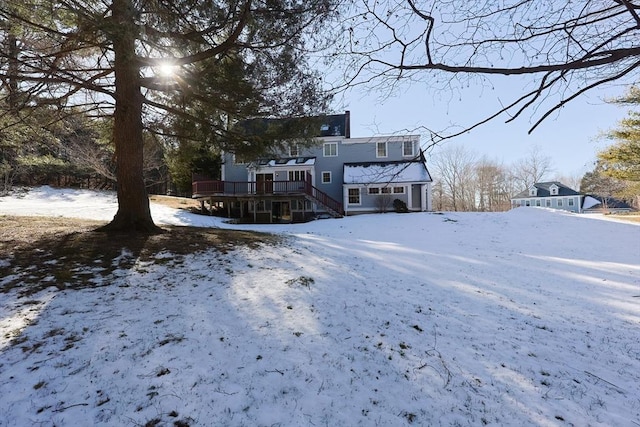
[255,211]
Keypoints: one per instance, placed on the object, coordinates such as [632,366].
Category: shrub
[400,206]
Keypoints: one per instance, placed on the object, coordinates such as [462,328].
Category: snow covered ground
[529,317]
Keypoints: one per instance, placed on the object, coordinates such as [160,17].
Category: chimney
[347,124]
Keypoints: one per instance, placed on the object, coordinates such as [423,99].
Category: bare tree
[568,47]
[493,186]
[531,169]
[454,166]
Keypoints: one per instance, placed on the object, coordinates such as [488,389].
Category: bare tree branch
[568,48]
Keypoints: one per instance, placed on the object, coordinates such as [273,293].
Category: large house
[336,175]
[549,195]
[558,196]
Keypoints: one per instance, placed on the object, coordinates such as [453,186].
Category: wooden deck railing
[234,188]
[324,199]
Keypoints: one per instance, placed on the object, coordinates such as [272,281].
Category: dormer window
[554,190]
[533,191]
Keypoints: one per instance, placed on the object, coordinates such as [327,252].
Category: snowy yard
[529,317]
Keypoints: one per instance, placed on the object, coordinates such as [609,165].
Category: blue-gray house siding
[554,195]
[326,160]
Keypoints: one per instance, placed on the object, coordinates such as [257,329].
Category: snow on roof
[293,161]
[380,173]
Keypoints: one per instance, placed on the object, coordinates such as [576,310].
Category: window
[354,196]
[559,202]
[407,148]
[293,150]
[385,190]
[527,203]
[570,202]
[326,177]
[330,149]
[548,203]
[381,149]
[296,175]
[398,190]
[537,202]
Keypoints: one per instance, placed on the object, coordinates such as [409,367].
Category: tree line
[465,181]
[42,146]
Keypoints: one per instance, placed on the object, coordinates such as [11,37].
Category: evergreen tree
[239,58]
[621,160]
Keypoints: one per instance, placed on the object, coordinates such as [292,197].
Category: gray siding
[233,172]
[349,150]
[554,202]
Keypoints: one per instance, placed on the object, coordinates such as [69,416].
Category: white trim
[373,139]
[299,172]
[386,150]
[328,144]
[322,177]
[359,196]
[413,148]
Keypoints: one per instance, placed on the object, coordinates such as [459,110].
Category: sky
[443,101]
[421,319]
[571,137]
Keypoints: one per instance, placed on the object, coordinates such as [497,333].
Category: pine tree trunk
[13,53]
[133,214]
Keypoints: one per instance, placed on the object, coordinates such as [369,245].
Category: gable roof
[544,190]
[386,172]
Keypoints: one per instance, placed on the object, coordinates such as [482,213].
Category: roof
[385,172]
[544,190]
[322,125]
[287,161]
[595,202]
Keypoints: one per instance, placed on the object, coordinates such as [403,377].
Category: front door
[264,183]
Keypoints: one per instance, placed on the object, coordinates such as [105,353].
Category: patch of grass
[305,281]
[40,252]
[627,217]
[175,202]
[171,339]
[410,417]
[54,332]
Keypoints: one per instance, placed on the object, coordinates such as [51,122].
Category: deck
[264,190]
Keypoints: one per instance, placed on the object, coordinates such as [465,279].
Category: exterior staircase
[332,206]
